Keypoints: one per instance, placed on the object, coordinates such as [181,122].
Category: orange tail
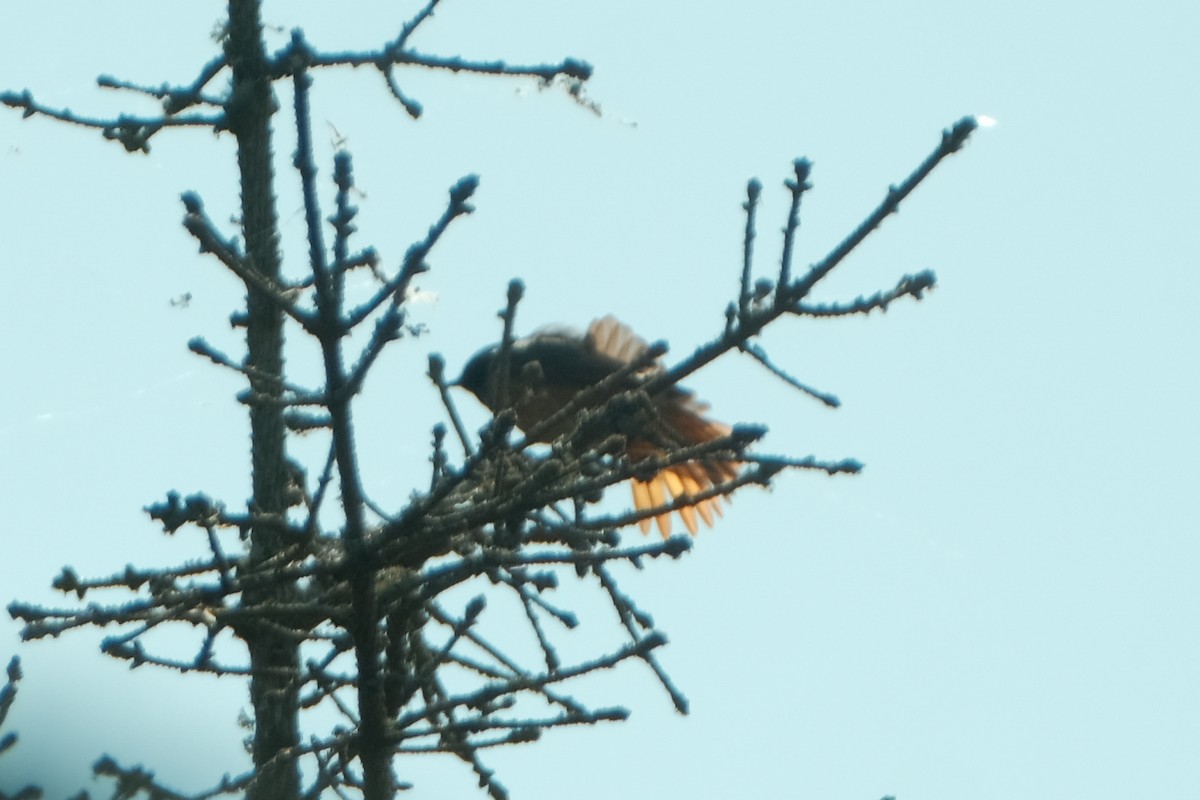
[683,422]
[681,481]
[687,479]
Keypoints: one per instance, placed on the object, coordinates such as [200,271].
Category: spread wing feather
[682,415]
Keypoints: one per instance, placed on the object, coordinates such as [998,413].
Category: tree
[346,607]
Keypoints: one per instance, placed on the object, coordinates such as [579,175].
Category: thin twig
[132,132]
[913,286]
[952,141]
[753,193]
[797,186]
[205,232]
[756,352]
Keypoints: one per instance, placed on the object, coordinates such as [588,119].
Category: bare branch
[414,260]
[753,193]
[752,322]
[204,231]
[175,98]
[756,352]
[952,141]
[132,132]
[798,186]
[913,286]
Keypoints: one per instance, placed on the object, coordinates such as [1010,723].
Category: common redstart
[566,364]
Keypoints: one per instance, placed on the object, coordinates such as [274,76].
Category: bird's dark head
[476,375]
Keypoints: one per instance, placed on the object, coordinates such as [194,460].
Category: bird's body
[567,364]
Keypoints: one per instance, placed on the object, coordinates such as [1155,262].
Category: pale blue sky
[1004,604]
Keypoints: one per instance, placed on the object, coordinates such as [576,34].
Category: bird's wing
[610,338]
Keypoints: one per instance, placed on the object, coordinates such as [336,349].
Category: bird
[549,368]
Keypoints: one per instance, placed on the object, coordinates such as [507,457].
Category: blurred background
[1003,604]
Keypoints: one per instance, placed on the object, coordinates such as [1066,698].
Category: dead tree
[336,601]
